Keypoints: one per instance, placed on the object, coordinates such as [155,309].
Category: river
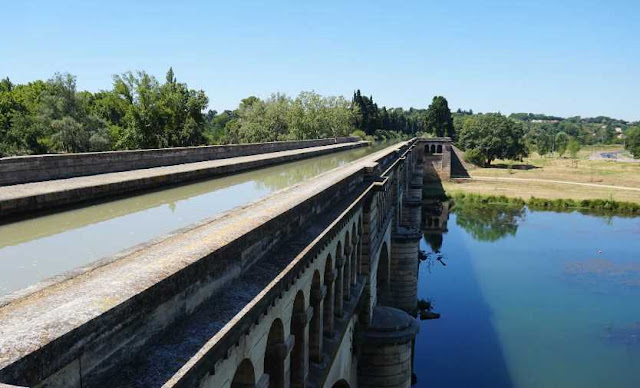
[530,299]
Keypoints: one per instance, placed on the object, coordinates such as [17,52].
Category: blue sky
[556,57]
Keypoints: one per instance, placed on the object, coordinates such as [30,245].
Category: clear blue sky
[556,57]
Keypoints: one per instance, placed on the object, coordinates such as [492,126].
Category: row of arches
[309,327]
[433,148]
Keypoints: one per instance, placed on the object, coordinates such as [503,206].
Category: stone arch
[383,276]
[433,148]
[245,376]
[341,384]
[315,326]
[275,355]
[298,358]
[439,149]
[327,313]
[426,148]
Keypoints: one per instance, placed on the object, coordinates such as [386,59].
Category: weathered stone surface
[30,197]
[24,169]
[112,308]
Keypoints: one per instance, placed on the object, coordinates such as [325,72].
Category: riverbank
[591,205]
[555,178]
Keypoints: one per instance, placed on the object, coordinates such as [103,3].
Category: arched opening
[382,276]
[346,278]
[339,290]
[354,234]
[353,258]
[341,384]
[298,325]
[358,260]
[315,326]
[327,314]
[433,148]
[275,355]
[439,148]
[244,376]
[426,148]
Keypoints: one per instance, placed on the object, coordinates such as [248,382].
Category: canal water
[36,249]
[530,299]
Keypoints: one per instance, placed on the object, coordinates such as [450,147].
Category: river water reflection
[36,249]
[529,299]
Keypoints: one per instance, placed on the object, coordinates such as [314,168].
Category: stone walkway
[36,196]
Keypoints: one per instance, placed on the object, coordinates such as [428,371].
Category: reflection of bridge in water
[315,285]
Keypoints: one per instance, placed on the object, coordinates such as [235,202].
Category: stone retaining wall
[24,169]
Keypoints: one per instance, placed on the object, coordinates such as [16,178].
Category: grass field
[602,179]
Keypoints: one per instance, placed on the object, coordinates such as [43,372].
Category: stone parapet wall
[24,169]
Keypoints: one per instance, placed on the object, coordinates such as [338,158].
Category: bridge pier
[386,354]
[405,244]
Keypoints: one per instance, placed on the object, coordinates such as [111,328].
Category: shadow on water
[462,348]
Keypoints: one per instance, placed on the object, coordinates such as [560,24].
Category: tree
[562,141]
[366,113]
[493,136]
[573,147]
[544,143]
[438,118]
[632,142]
[155,115]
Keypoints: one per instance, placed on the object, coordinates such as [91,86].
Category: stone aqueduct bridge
[314,286]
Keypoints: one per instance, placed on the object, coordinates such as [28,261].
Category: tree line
[138,111]
[486,137]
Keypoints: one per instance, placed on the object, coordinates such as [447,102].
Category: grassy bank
[607,206]
[556,178]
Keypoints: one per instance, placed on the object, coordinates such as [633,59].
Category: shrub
[359,133]
[474,156]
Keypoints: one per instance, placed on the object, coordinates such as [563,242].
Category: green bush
[474,156]
[604,206]
[359,133]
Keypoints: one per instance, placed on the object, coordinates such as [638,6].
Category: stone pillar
[354,265]
[415,187]
[346,284]
[339,284]
[412,213]
[328,303]
[302,320]
[445,175]
[405,245]
[275,362]
[315,326]
[385,357]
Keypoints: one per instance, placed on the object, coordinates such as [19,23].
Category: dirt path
[482,178]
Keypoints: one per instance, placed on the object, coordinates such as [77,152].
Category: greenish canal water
[36,249]
[531,299]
